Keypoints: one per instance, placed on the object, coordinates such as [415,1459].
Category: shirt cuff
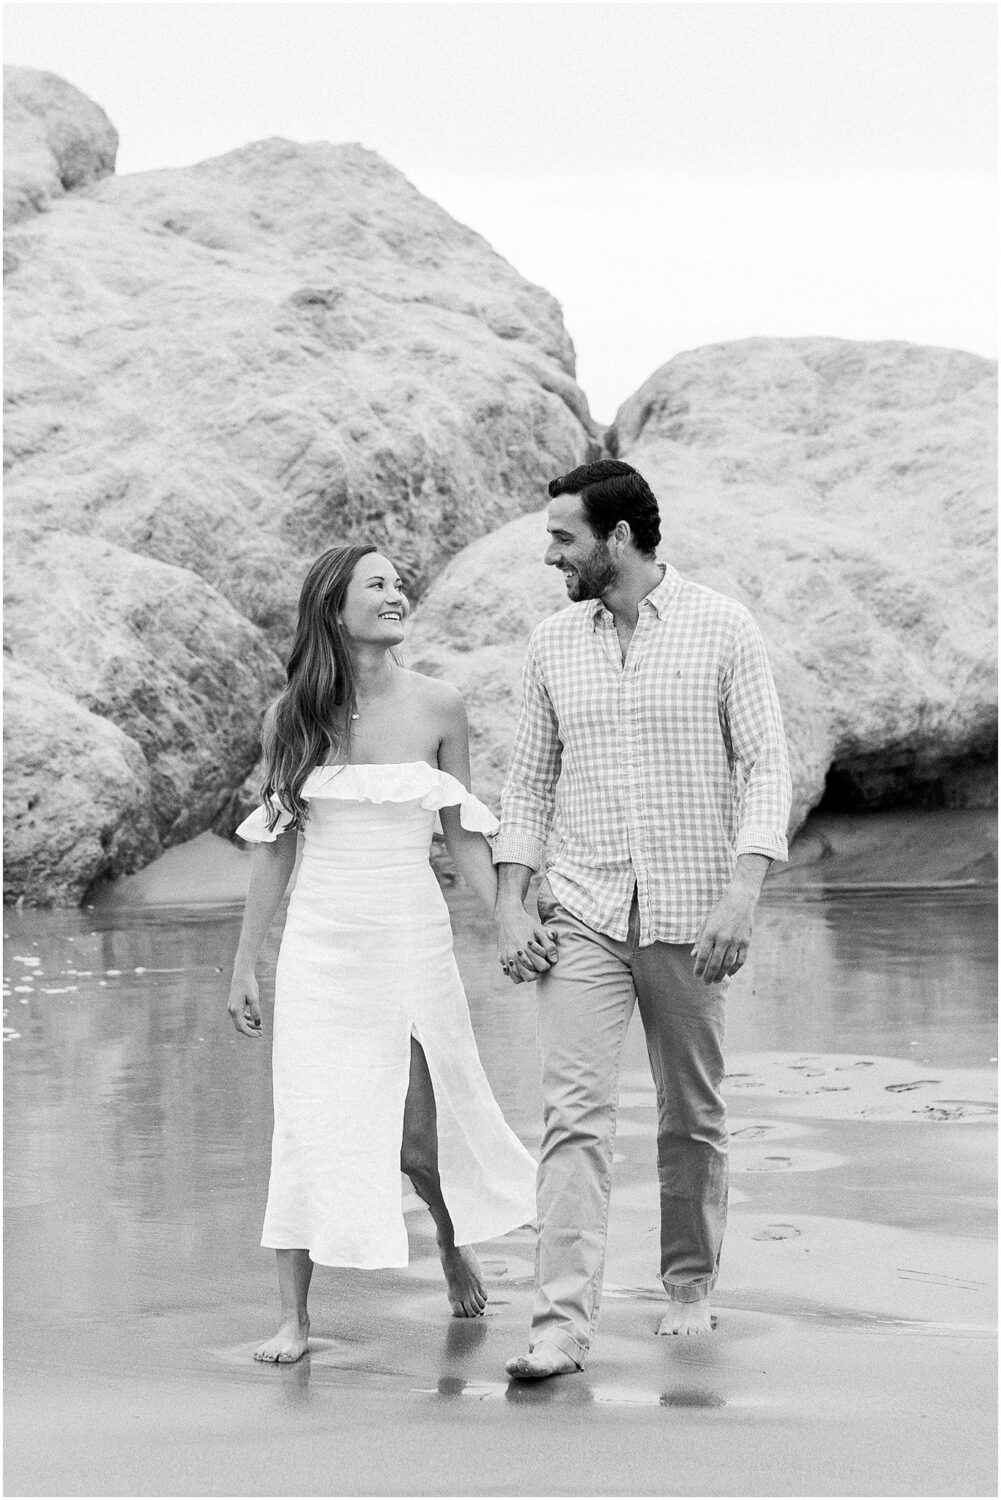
[756,838]
[518,849]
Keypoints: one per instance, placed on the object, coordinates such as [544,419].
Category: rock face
[55,140]
[77,797]
[231,366]
[845,493]
[133,692]
[212,375]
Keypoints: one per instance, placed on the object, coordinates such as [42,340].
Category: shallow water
[136,1157]
[117,1036]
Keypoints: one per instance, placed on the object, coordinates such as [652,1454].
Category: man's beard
[595,575]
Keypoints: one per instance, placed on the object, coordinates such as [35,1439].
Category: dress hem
[341,1263]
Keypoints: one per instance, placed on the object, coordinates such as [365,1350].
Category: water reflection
[876,973]
[462,1339]
[138,1125]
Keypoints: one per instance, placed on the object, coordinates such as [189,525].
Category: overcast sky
[675,174]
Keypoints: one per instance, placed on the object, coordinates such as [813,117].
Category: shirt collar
[660,597]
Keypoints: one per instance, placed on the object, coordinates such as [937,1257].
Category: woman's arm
[469,851]
[272,864]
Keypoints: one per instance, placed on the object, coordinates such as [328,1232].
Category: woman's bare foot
[689,1317]
[289,1344]
[544,1361]
[464,1281]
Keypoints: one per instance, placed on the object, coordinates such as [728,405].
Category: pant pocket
[546,901]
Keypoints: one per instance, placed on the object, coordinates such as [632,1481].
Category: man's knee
[690,1104]
[701,1133]
[579,1113]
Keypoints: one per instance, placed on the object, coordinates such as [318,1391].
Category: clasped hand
[527,948]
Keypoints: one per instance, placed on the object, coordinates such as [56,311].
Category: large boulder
[234,365]
[845,493]
[55,140]
[77,797]
[223,370]
[132,710]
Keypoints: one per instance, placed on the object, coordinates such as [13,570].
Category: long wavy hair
[310,722]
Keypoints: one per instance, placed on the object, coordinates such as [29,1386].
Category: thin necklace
[357,713]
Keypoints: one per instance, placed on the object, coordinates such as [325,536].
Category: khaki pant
[584,1006]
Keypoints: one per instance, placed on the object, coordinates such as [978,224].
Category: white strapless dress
[366,962]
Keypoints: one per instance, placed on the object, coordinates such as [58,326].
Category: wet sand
[855,1352]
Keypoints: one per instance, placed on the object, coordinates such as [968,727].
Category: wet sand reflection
[137,1140]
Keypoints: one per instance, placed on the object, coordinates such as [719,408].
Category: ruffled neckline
[389,781]
[378,765]
[377,782]
[398,781]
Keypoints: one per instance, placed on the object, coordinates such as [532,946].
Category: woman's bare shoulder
[434,693]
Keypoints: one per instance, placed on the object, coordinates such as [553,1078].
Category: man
[650,772]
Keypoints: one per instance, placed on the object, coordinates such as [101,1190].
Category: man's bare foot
[544,1361]
[689,1317]
[464,1281]
[289,1344]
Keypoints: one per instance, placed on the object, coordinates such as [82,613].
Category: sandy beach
[856,1342]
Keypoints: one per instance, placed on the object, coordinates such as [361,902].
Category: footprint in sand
[778,1232]
[905,1088]
[958,1109]
[750,1132]
[771,1164]
[494,1267]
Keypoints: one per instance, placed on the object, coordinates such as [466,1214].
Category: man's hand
[724,938]
[526,948]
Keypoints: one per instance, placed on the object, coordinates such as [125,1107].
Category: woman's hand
[245,1003]
[270,867]
[526,948]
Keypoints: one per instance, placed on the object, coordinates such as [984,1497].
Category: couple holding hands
[649,781]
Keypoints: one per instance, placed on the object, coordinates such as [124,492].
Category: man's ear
[623,533]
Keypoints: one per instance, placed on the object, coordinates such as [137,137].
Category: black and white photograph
[500,748]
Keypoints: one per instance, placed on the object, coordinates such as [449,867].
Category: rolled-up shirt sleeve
[753,720]
[529,793]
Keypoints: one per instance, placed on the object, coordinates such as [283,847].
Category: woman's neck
[374,671]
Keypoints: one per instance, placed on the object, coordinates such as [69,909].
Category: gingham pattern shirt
[652,775]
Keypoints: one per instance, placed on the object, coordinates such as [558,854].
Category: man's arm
[724,939]
[527,801]
[752,721]
[758,746]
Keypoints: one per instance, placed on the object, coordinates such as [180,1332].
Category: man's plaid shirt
[653,775]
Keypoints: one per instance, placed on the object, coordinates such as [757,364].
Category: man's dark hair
[611,491]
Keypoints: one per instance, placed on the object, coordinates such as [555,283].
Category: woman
[375,1066]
